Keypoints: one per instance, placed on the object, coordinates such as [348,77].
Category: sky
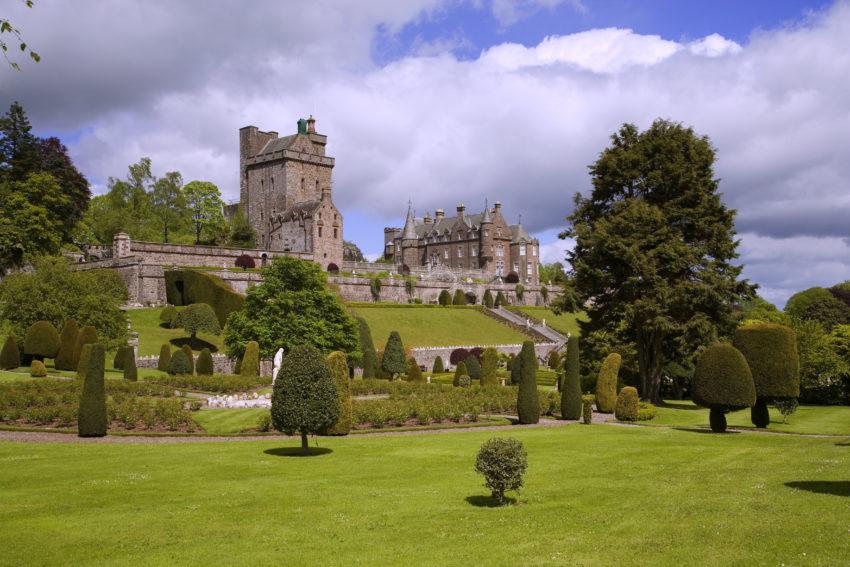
[441,102]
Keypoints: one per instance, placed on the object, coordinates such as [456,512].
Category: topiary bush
[438,367]
[587,409]
[118,359]
[413,372]
[460,370]
[304,396]
[91,417]
[86,336]
[646,411]
[179,363]
[336,362]
[164,358]
[204,365]
[722,382]
[516,369]
[394,361]
[367,347]
[10,356]
[200,287]
[190,356]
[489,366]
[512,277]
[500,299]
[196,318]
[37,369]
[84,361]
[445,298]
[129,365]
[488,299]
[459,297]
[168,315]
[606,383]
[251,361]
[464,381]
[42,340]
[67,342]
[502,461]
[473,367]
[554,360]
[628,404]
[771,353]
[571,386]
[527,403]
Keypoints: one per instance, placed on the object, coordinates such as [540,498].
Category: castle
[482,243]
[285,190]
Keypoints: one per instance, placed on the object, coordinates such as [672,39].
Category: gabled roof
[278,144]
[302,209]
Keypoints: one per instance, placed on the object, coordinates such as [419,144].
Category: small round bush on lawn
[606,383]
[129,365]
[528,403]
[10,356]
[489,365]
[204,365]
[91,418]
[473,367]
[42,340]
[67,342]
[251,360]
[168,315]
[502,461]
[571,385]
[438,366]
[179,364]
[37,369]
[164,358]
[339,369]
[190,357]
[460,370]
[628,404]
[86,336]
[464,381]
[646,411]
[413,372]
[723,382]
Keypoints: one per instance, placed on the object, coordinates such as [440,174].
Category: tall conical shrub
[251,360]
[459,297]
[438,368]
[84,360]
[41,340]
[394,361]
[179,363]
[128,363]
[67,343]
[571,386]
[187,350]
[339,369]
[500,300]
[91,418]
[204,365]
[489,365]
[554,360]
[164,358]
[460,370]
[118,359]
[488,299]
[10,356]
[413,372]
[367,347]
[606,383]
[86,336]
[445,298]
[516,370]
[527,402]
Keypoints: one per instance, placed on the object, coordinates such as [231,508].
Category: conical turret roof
[409,232]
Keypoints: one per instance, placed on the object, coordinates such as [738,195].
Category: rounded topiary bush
[245,262]
[459,297]
[502,461]
[458,355]
[500,299]
[487,300]
[528,403]
[67,342]
[37,369]
[42,340]
[86,336]
[394,361]
[489,366]
[91,417]
[722,382]
[179,364]
[204,364]
[445,298]
[164,360]
[339,369]
[554,360]
[771,353]
[473,367]
[412,371]
[10,356]
[571,385]
[628,404]
[190,358]
[460,370]
[606,383]
[438,367]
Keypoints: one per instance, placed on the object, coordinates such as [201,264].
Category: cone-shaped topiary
[527,403]
[489,365]
[304,396]
[10,356]
[627,405]
[445,298]
[336,362]
[571,386]
[459,297]
[554,360]
[460,370]
[380,374]
[86,336]
[204,365]
[129,365]
[510,362]
[84,360]
[500,300]
[164,358]
[251,361]
[118,359]
[367,347]
[606,383]
[413,372]
[67,343]
[187,350]
[179,363]
[37,369]
[771,353]
[394,360]
[91,417]
[438,366]
[42,340]
[723,382]
[488,299]
[516,369]
[473,367]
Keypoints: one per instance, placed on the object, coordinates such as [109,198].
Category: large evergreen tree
[653,260]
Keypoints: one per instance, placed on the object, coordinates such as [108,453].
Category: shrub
[571,385]
[187,350]
[723,382]
[168,315]
[264,422]
[528,404]
[367,347]
[42,340]
[445,298]
[512,277]
[339,370]
[458,355]
[164,358]
[464,381]
[587,409]
[375,288]
[380,373]
[554,360]
[502,461]
[245,262]
[488,299]
[771,353]
[477,352]
[10,356]
[646,411]
[129,362]
[204,365]
[459,297]
[394,361]
[544,293]
[818,304]
[606,383]
[67,342]
[489,366]
[516,370]
[219,383]
[118,359]
[84,361]
[628,404]
[786,407]
[473,367]
[251,360]
[509,362]
[91,418]
[413,372]
[179,364]
[304,398]
[438,366]
[460,370]
[86,336]
[197,317]
[500,299]
[520,292]
[200,287]
[37,369]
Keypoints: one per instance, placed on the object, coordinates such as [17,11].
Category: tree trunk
[650,363]
[305,446]
[197,233]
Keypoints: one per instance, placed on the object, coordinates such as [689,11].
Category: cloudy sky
[447,101]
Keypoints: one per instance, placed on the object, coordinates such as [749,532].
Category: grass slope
[152,336]
[436,327]
[602,495]
[563,323]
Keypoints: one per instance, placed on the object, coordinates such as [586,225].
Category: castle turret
[409,240]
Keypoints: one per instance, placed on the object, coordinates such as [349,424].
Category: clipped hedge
[42,340]
[86,336]
[606,383]
[200,287]
[67,342]
[217,383]
[131,374]
[722,381]
[473,367]
[339,369]
[164,360]
[628,404]
[179,364]
[250,364]
[489,366]
[438,367]
[460,370]
[10,356]
[528,404]
[190,357]
[92,417]
[412,371]
[571,385]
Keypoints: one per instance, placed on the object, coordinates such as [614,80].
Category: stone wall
[199,256]
[425,356]
[221,364]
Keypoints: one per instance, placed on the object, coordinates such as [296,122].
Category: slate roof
[278,144]
[451,224]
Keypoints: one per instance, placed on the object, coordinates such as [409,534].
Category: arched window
[264,258]
[302,184]
[317,186]
[320,232]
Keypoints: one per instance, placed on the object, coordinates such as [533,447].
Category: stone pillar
[121,245]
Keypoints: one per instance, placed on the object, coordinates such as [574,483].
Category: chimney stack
[439,214]
[311,125]
[427,218]
[497,206]
[460,209]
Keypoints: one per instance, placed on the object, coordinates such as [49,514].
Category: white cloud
[714,45]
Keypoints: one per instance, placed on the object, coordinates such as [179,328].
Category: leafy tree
[553,272]
[92,417]
[527,403]
[823,371]
[242,234]
[351,252]
[489,365]
[168,204]
[759,310]
[127,206]
[204,204]
[655,246]
[29,225]
[292,306]
[16,39]
[41,340]
[818,304]
[339,370]
[571,386]
[304,396]
[394,360]
[10,356]
[502,461]
[606,383]
[488,299]
[67,342]
[196,318]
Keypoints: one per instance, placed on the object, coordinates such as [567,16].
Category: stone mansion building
[482,243]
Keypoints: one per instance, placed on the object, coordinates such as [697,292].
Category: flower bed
[218,383]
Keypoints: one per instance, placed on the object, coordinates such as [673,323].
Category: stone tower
[409,240]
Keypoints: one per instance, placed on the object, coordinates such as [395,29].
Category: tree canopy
[204,204]
[197,317]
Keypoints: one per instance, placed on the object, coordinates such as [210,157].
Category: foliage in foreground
[502,461]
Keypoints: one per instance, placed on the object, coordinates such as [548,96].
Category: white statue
[278,359]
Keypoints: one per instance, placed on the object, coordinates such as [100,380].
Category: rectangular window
[320,232]
[474,252]
[516,267]
[522,249]
[534,250]
[460,252]
[500,252]
[335,233]
[446,254]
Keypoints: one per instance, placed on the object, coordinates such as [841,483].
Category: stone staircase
[529,326]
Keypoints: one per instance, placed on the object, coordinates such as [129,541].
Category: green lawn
[563,323]
[228,421]
[436,327]
[594,495]
[23,373]
[152,336]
